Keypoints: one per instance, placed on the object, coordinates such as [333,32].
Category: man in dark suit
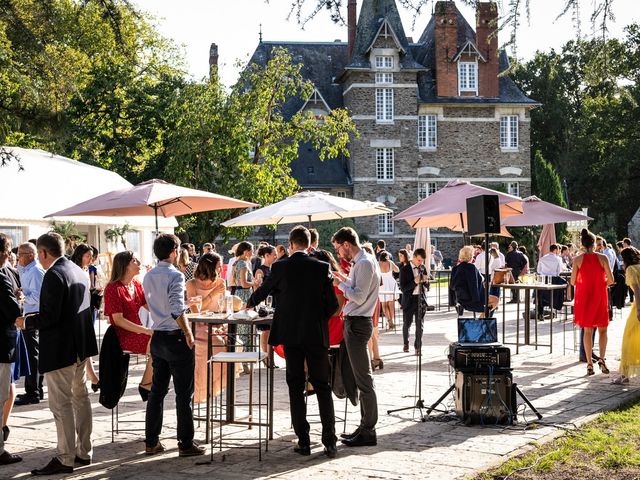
[9,312]
[413,305]
[67,339]
[516,261]
[305,300]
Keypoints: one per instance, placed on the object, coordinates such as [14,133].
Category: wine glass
[196,302]
[269,301]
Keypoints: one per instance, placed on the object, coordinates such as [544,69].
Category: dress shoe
[193,451]
[54,467]
[25,399]
[158,448]
[95,387]
[363,439]
[431,308]
[81,462]
[304,450]
[7,458]
[405,348]
[331,451]
[350,435]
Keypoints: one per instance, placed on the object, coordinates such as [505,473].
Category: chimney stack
[351,23]
[487,43]
[446,43]
[213,60]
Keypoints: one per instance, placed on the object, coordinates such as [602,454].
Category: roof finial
[260,33]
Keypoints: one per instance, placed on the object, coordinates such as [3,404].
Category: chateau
[428,111]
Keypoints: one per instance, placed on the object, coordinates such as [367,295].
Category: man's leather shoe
[158,448]
[405,348]
[331,451]
[81,462]
[193,451]
[7,458]
[26,400]
[350,435]
[54,467]
[363,439]
[302,450]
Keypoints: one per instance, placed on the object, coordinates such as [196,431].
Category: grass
[608,447]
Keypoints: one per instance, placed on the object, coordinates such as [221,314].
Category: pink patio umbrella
[448,206]
[547,238]
[153,197]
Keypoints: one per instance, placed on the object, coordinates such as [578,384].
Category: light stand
[421,313]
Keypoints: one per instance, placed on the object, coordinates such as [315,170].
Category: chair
[115,414]
[223,359]
[566,306]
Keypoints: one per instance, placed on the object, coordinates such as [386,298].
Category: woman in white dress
[389,284]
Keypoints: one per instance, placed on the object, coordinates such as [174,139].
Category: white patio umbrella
[310,206]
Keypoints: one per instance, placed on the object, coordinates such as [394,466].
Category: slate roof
[372,16]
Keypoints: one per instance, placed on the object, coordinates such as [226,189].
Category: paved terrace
[441,448]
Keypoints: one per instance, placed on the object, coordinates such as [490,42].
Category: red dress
[336,324]
[117,299]
[591,304]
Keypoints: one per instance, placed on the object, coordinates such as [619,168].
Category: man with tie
[414,305]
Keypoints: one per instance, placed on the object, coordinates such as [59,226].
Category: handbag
[502,276]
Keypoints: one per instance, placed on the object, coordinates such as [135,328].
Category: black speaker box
[483,215]
[485,399]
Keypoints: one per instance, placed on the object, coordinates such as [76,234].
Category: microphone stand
[421,312]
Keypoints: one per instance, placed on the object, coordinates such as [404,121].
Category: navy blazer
[9,311]
[304,298]
[65,319]
[467,285]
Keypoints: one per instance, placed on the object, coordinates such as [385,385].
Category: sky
[234,26]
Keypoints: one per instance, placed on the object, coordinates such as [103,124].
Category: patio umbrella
[448,206]
[422,239]
[308,207]
[539,212]
[547,238]
[153,197]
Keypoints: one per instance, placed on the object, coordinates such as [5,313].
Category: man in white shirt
[550,264]
[480,260]
[500,254]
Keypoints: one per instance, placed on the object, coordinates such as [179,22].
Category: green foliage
[588,126]
[327,228]
[69,233]
[119,233]
[546,186]
[239,144]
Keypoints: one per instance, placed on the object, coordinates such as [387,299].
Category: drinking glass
[269,301]
[229,301]
[196,302]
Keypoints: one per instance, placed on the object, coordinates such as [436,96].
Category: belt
[358,316]
[169,333]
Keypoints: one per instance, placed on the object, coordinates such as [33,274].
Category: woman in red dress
[123,298]
[590,276]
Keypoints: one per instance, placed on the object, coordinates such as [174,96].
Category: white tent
[41,183]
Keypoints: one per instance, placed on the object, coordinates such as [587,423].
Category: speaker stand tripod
[527,401]
[419,401]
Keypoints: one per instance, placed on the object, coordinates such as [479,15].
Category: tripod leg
[439,401]
[526,400]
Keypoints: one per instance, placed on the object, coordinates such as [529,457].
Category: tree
[69,233]
[546,185]
[240,144]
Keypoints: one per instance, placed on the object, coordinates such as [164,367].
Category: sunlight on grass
[609,442]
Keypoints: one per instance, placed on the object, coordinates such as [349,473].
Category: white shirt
[479,262]
[550,264]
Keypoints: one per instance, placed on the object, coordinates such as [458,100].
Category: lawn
[606,448]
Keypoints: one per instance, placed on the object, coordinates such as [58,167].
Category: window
[341,194]
[426,188]
[385,224]
[513,188]
[384,61]
[384,104]
[384,78]
[384,164]
[509,131]
[14,233]
[133,241]
[427,131]
[468,77]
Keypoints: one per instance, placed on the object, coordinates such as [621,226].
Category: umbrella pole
[464,234]
[155,211]
[309,220]
[487,280]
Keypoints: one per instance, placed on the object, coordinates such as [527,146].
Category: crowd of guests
[50,300]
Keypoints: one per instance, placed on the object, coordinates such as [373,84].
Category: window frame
[509,133]
[385,165]
[384,62]
[466,68]
[385,224]
[429,186]
[428,134]
[509,188]
[384,105]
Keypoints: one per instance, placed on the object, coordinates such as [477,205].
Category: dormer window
[468,77]
[384,62]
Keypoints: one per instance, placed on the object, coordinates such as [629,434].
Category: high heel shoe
[144,393]
[589,370]
[95,386]
[603,366]
[377,363]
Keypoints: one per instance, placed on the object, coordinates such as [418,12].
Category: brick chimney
[213,60]
[446,43]
[487,44]
[351,24]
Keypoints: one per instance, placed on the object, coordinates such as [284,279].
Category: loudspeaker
[483,215]
[485,399]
